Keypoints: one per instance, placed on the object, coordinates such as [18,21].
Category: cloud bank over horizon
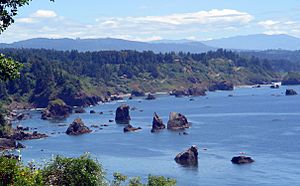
[198,25]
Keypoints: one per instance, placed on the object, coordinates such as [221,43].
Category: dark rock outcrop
[21,135]
[192,91]
[177,121]
[6,144]
[223,85]
[290,92]
[77,128]
[188,157]
[196,91]
[179,93]
[79,110]
[291,81]
[136,93]
[57,109]
[150,97]
[122,114]
[274,86]
[242,160]
[130,128]
[157,124]
[81,99]
[92,112]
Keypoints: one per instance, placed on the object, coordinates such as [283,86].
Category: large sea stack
[122,114]
[77,128]
[177,121]
[157,123]
[188,157]
[57,109]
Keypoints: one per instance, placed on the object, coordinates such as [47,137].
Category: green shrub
[74,171]
[12,172]
[160,181]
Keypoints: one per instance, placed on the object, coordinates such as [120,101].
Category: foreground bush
[74,171]
[12,172]
[62,171]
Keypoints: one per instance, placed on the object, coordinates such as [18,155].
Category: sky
[149,20]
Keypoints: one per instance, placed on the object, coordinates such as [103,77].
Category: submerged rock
[6,144]
[77,128]
[122,114]
[242,160]
[188,157]
[290,92]
[130,128]
[57,109]
[177,121]
[157,123]
[92,112]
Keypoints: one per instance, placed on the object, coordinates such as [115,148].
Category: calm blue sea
[261,122]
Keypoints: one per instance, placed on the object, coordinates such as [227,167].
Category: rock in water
[177,121]
[157,123]
[150,97]
[77,128]
[122,114]
[241,160]
[188,157]
[79,110]
[290,92]
[57,109]
[130,128]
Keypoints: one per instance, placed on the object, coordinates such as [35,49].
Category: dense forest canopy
[48,74]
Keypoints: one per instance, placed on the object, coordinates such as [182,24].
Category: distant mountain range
[257,42]
[248,42]
[108,44]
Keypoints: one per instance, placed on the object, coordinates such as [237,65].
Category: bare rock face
[122,114]
[290,92]
[242,160]
[188,157]
[177,121]
[157,124]
[57,109]
[77,128]
[130,128]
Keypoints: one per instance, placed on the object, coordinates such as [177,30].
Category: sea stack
[157,123]
[177,121]
[122,114]
[77,128]
[188,157]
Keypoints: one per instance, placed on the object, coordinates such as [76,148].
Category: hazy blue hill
[84,45]
[257,42]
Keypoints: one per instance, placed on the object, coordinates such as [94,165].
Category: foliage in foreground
[83,170]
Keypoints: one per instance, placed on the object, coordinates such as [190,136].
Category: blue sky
[146,20]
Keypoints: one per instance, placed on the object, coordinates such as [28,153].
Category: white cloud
[144,28]
[25,20]
[273,27]
[44,14]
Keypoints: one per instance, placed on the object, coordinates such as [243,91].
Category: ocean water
[261,122]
